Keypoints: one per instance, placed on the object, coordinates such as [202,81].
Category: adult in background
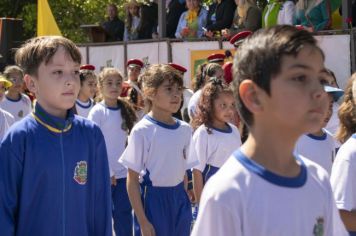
[149,20]
[220,16]
[313,15]
[278,12]
[114,27]
[247,18]
[174,11]
[132,20]
[191,22]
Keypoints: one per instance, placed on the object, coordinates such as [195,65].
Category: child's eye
[58,72]
[76,72]
[324,81]
[301,78]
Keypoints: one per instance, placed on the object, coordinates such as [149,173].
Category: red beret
[218,57]
[87,67]
[238,38]
[178,67]
[134,63]
[227,67]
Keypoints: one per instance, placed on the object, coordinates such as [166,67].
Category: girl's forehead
[113,77]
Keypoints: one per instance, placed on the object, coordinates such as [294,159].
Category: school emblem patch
[319,227]
[81,173]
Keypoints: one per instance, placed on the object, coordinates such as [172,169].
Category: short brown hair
[41,49]
[259,58]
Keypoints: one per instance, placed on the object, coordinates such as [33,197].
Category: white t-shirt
[83,108]
[160,149]
[6,120]
[110,121]
[245,199]
[17,108]
[193,103]
[286,14]
[343,175]
[320,149]
[215,148]
[334,121]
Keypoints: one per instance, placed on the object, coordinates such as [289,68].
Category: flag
[46,24]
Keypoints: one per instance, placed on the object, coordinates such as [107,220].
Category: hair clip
[215,81]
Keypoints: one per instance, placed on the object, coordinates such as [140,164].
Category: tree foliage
[69,14]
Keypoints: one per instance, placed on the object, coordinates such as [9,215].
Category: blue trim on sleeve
[312,136]
[163,125]
[228,131]
[291,182]
[13,100]
[84,106]
[354,136]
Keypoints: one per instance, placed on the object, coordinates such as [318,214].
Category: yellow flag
[46,24]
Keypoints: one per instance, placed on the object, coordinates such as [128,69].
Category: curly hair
[205,108]
[204,72]
[347,112]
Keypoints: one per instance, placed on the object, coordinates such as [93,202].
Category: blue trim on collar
[83,106]
[111,108]
[163,125]
[312,136]
[291,182]
[228,131]
[13,100]
[354,136]
[51,120]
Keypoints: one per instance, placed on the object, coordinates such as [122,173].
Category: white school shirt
[193,103]
[6,120]
[343,175]
[17,108]
[320,149]
[334,121]
[110,122]
[83,108]
[245,199]
[161,149]
[215,148]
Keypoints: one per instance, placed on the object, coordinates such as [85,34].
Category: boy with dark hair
[279,81]
[54,176]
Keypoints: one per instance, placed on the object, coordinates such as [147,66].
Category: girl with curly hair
[215,138]
[344,167]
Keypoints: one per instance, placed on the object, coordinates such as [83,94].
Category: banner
[46,24]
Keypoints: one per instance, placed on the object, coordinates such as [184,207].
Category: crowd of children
[93,153]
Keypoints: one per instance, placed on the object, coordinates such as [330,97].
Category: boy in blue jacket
[54,176]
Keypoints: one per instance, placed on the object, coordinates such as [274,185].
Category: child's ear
[250,95]
[31,83]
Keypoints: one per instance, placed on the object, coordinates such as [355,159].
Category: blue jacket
[54,183]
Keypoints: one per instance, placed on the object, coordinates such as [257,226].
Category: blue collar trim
[312,136]
[14,100]
[291,182]
[163,125]
[112,108]
[354,136]
[79,103]
[227,131]
[51,120]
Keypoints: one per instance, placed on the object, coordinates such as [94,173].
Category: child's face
[57,83]
[224,108]
[167,97]
[297,101]
[2,91]
[134,10]
[17,82]
[111,87]
[89,87]
[134,72]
